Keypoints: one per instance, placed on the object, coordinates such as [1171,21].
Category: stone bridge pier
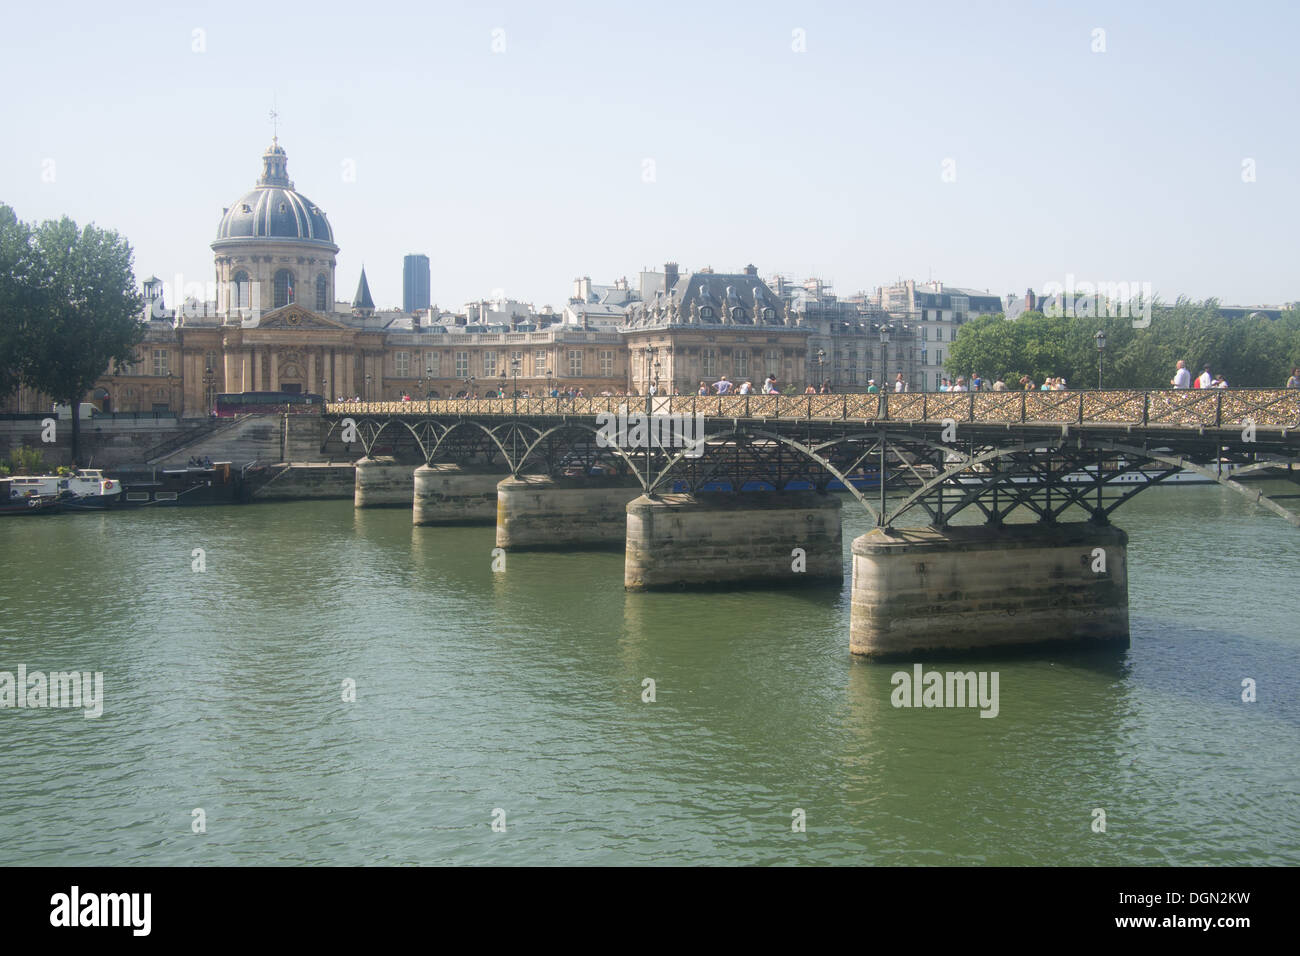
[709,540]
[541,512]
[450,494]
[980,587]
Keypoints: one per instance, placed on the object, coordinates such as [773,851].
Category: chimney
[751,270]
[670,275]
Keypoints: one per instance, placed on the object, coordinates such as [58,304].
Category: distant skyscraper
[415,283]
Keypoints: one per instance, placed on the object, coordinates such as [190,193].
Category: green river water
[521,691]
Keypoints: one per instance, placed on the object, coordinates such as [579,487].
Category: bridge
[729,490]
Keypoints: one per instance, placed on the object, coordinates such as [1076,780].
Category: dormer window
[706,313]
[737,315]
[769,315]
[246,208]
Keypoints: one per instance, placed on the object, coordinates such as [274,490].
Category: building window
[706,314]
[240,289]
[210,362]
[709,362]
[606,363]
[462,365]
[283,288]
[575,363]
[402,363]
[433,362]
[742,362]
[539,362]
[161,362]
[938,357]
[489,363]
[773,361]
[517,363]
[769,315]
[322,299]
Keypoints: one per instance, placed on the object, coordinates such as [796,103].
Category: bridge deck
[1165,408]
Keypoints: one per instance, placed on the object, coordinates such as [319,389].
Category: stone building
[275,325]
[706,325]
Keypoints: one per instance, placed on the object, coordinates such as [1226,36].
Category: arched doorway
[103,401]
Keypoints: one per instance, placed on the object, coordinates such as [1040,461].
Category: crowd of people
[724,386]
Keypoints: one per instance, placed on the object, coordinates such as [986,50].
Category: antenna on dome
[275,123]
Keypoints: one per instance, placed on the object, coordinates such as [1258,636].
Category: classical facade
[706,325]
[275,324]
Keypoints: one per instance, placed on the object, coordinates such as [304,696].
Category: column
[275,370]
[230,360]
[257,376]
[379,375]
[246,373]
[311,370]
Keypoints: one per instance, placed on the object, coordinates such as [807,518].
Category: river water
[517,696]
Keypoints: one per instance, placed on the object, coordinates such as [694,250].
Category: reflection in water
[522,689]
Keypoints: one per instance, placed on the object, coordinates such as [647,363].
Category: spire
[363,302]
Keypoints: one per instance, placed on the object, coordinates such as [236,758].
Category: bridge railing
[1177,408]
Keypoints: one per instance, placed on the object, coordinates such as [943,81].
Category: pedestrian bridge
[995,451]
[741,500]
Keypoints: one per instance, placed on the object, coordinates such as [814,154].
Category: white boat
[84,489]
[1088,474]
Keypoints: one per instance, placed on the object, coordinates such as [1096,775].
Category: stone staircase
[248,438]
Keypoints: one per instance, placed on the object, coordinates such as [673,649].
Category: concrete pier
[708,540]
[455,494]
[537,512]
[967,588]
[382,483]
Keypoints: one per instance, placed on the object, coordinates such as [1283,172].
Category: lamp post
[650,353]
[1101,353]
[428,376]
[884,352]
[171,394]
[821,361]
[209,381]
[367,388]
[514,372]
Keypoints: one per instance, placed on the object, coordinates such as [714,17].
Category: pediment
[296,317]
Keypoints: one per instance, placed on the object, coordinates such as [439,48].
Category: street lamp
[514,371]
[650,362]
[367,388]
[209,381]
[428,374]
[884,352]
[1101,352]
[821,361]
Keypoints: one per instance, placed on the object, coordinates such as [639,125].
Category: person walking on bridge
[1182,378]
[899,384]
[1294,380]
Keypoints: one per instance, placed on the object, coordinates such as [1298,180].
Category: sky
[990,145]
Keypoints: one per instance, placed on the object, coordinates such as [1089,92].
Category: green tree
[84,312]
[19,297]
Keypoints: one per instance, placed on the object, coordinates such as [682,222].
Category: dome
[275,210]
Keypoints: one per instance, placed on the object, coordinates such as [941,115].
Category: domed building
[274,246]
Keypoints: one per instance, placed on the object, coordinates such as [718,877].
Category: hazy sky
[598,139]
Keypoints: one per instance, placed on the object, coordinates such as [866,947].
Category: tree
[19,297]
[85,316]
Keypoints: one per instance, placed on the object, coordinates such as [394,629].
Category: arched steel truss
[1046,474]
